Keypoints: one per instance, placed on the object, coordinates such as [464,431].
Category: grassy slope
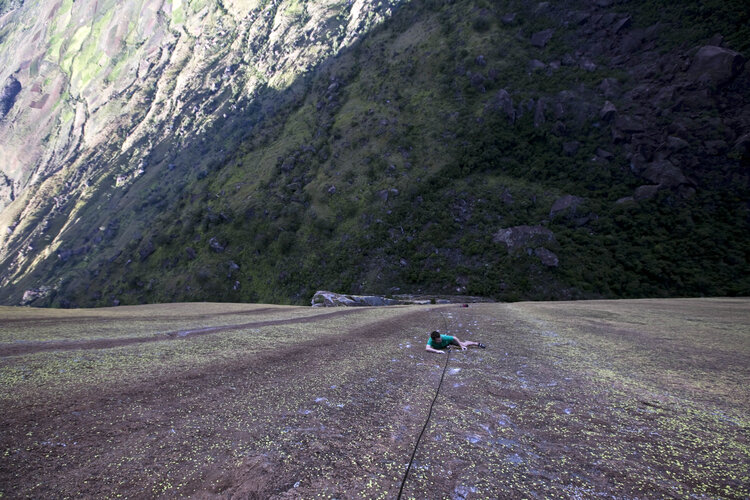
[623,398]
[423,174]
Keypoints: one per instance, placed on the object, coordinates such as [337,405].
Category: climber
[437,342]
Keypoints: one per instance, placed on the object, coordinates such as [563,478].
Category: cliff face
[92,87]
[251,150]
[79,75]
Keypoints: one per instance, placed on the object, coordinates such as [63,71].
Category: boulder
[541,38]
[568,60]
[610,87]
[742,144]
[504,101]
[629,124]
[565,205]
[8,93]
[605,155]
[541,8]
[608,111]
[665,173]
[508,19]
[521,237]
[64,255]
[715,66]
[623,128]
[587,64]
[675,144]
[547,257]
[477,81]
[232,267]
[622,24]
[146,249]
[34,294]
[536,65]
[643,193]
[215,245]
[663,98]
[6,191]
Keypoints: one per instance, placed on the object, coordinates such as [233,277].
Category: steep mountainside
[258,150]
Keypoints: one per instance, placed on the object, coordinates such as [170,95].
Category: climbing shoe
[482,346]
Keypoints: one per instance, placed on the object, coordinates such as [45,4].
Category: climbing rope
[429,414]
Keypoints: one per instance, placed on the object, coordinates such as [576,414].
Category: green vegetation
[392,166]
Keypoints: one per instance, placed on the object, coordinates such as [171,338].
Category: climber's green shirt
[445,341]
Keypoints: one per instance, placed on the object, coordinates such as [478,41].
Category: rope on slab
[429,414]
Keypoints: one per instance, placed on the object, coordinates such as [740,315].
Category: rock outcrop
[10,89]
[519,238]
[6,191]
[565,205]
[30,296]
[547,257]
[330,299]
